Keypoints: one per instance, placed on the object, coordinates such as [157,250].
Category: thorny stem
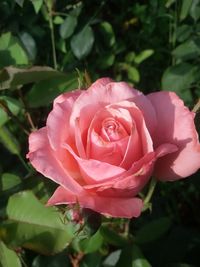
[27,114]
[88,79]
[30,121]
[126,228]
[4,106]
[197,106]
[151,190]
[76,260]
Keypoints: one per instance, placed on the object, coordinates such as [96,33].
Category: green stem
[151,190]
[51,26]
[175,25]
[95,14]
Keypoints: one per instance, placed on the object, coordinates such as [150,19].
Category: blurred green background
[48,47]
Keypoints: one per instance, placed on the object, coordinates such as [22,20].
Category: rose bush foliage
[101,145]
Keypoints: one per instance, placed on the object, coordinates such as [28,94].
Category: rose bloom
[101,145]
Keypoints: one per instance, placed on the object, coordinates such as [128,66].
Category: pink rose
[102,145]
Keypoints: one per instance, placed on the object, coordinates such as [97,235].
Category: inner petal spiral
[112,130]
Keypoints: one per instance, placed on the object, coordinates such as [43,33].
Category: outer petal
[44,160]
[68,95]
[146,107]
[175,126]
[113,206]
[58,120]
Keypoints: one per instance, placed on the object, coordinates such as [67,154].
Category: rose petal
[94,171]
[79,141]
[100,94]
[165,149]
[175,126]
[129,180]
[133,150]
[145,138]
[44,160]
[70,96]
[115,207]
[97,96]
[108,151]
[147,109]
[58,120]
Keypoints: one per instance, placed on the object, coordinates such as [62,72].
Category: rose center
[112,130]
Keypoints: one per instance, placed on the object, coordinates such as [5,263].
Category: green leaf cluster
[49,47]
[182,77]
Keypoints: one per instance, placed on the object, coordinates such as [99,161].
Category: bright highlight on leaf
[34,220]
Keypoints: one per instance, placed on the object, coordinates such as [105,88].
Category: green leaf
[133,74]
[130,57]
[169,3]
[35,226]
[40,187]
[143,56]
[13,105]
[14,77]
[8,257]
[188,50]
[29,45]
[138,259]
[20,2]
[195,10]
[91,260]
[132,256]
[82,42]
[68,26]
[37,4]
[105,61]
[107,33]
[183,32]
[59,260]
[153,230]
[179,78]
[92,244]
[112,237]
[112,258]
[49,4]
[11,51]
[43,93]
[92,220]
[77,9]
[185,8]
[8,181]
[61,45]
[9,141]
[58,20]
